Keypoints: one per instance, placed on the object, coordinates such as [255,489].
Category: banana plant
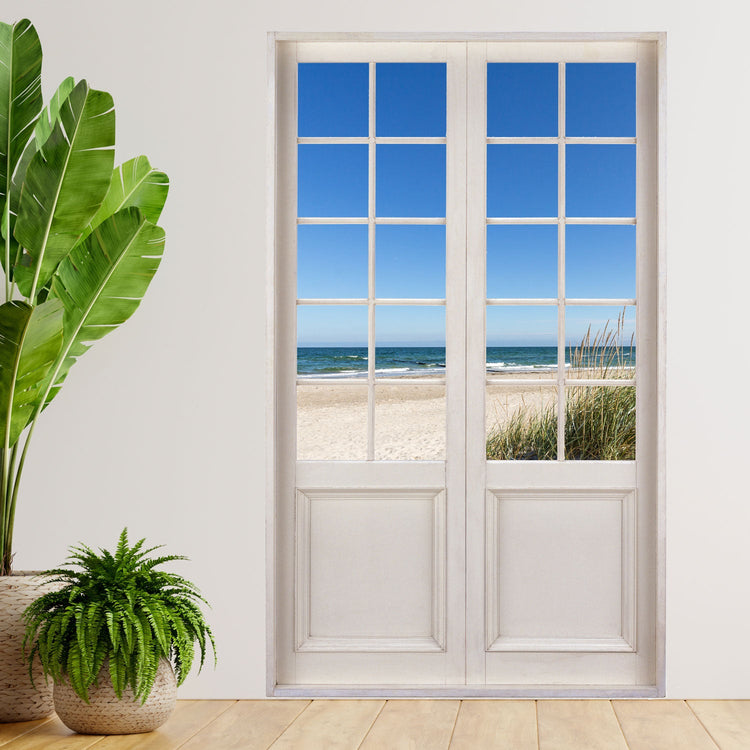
[80,243]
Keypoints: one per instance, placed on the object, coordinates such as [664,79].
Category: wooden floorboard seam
[455,722]
[705,728]
[299,713]
[369,729]
[619,724]
[28,731]
[198,731]
[536,719]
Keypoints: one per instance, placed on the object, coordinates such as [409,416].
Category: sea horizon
[407,361]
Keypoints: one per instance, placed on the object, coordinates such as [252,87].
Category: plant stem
[6,222]
[16,481]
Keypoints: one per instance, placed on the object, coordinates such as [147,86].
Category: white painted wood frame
[464,659]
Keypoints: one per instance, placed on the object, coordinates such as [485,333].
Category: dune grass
[599,420]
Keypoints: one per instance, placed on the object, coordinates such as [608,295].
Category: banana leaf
[65,185]
[51,113]
[30,342]
[20,103]
[134,183]
[101,283]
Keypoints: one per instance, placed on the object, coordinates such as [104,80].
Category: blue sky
[410,182]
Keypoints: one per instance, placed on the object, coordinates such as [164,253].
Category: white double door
[465,576]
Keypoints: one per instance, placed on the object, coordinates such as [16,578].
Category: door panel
[372,535]
[563,593]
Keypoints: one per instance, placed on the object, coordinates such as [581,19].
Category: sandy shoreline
[409,419]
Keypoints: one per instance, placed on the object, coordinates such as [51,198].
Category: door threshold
[466,691]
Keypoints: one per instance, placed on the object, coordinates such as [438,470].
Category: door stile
[455,468]
[476,356]
[285,352]
[647,292]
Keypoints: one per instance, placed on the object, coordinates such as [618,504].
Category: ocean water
[351,362]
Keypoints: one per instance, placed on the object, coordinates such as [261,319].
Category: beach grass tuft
[599,420]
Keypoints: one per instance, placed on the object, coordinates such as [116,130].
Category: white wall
[160,427]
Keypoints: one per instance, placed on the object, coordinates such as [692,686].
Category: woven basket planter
[19,699]
[106,714]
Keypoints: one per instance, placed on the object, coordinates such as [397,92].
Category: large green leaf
[30,342]
[134,183]
[51,113]
[14,199]
[102,282]
[65,184]
[20,102]
[42,132]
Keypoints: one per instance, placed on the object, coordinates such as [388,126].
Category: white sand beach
[409,419]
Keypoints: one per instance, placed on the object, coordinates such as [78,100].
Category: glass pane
[600,262]
[332,422]
[331,262]
[600,99]
[410,262]
[409,422]
[522,341]
[330,326]
[410,99]
[600,423]
[332,180]
[600,341]
[410,341]
[521,180]
[410,180]
[600,180]
[333,99]
[522,99]
[521,423]
[521,262]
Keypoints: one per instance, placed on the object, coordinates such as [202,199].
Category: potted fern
[111,635]
[79,246]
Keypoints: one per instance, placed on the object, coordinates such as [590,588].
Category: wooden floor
[419,725]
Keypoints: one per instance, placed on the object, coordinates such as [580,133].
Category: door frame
[276,459]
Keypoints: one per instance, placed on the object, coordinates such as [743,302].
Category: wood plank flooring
[419,725]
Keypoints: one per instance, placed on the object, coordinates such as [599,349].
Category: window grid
[561,220]
[372,221]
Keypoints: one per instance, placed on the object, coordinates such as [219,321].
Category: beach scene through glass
[559,254]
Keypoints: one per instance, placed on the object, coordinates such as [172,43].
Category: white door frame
[278,484]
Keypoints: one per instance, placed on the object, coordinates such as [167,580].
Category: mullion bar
[413,220]
[377,301]
[417,220]
[599,382]
[371,271]
[552,140]
[411,139]
[526,301]
[380,381]
[600,302]
[526,382]
[332,140]
[614,220]
[561,262]
[332,220]
[363,140]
